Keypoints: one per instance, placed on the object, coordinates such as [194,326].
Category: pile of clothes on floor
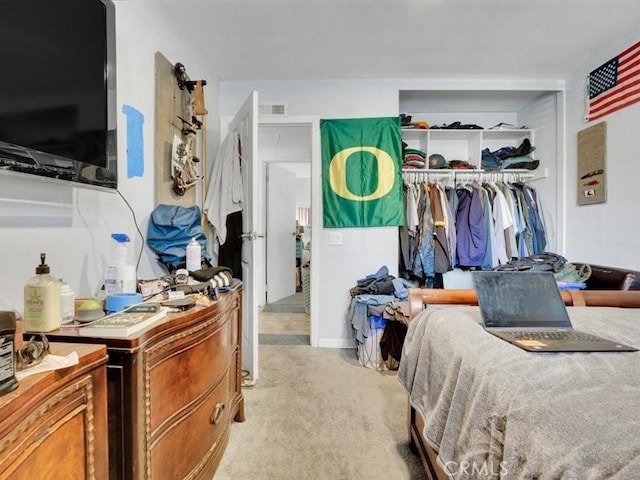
[379,315]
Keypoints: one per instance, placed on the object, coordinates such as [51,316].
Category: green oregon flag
[361,172]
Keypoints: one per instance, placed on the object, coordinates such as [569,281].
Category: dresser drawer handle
[217,413]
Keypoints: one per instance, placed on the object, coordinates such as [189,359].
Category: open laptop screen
[520,300]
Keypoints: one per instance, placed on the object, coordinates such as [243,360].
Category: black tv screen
[57,90]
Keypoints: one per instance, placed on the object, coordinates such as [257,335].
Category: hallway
[284,328]
[285,322]
[291,304]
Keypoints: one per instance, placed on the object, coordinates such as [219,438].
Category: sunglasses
[32,352]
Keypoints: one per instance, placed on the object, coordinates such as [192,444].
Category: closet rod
[482,175]
[414,176]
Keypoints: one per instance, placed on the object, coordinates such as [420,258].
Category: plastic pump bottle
[119,275]
[194,253]
[42,300]
[67,303]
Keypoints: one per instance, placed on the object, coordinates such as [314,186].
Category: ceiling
[386,39]
[456,101]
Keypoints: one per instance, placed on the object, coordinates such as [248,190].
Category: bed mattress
[493,410]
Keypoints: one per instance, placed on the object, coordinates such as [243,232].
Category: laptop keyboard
[550,335]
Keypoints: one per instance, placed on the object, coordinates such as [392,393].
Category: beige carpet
[316,414]
[290,304]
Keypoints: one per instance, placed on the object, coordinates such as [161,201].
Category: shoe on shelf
[523,149]
[507,126]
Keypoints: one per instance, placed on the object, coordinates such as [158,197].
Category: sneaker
[528,165]
[523,149]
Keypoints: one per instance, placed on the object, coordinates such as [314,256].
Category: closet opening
[481,172]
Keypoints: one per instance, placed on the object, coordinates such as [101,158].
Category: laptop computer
[527,310]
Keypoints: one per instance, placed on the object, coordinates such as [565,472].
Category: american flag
[615,84]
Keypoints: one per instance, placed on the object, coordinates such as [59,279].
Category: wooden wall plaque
[172,103]
[592,172]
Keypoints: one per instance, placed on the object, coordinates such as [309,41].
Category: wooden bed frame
[419,298]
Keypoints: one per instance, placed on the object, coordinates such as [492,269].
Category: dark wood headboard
[419,297]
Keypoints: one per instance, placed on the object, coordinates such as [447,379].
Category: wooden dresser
[54,425]
[173,391]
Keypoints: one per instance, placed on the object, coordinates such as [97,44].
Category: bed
[480,408]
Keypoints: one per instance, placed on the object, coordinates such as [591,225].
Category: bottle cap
[43,267]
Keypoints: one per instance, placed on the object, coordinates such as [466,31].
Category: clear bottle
[67,303]
[119,275]
[194,254]
[42,300]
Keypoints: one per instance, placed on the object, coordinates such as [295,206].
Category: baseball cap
[437,161]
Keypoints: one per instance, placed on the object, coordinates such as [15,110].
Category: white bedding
[494,411]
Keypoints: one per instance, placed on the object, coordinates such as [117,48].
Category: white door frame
[316,208]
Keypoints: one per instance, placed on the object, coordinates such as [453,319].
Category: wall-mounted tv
[57,90]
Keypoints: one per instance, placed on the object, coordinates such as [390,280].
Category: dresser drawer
[54,424]
[54,440]
[187,447]
[181,370]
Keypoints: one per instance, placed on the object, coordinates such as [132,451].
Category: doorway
[285,151]
[254,251]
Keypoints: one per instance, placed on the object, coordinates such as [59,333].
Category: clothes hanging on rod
[473,220]
[428,239]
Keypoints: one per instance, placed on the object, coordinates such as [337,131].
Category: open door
[244,127]
[281,233]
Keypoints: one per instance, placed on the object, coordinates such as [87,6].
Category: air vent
[272,109]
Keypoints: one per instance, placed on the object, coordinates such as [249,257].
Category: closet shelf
[466,144]
[444,133]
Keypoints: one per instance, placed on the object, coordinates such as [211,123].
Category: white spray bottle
[120,275]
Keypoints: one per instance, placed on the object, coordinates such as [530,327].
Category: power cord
[135,221]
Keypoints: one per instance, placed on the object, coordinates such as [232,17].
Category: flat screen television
[57,90]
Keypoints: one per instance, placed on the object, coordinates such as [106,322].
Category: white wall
[303,192]
[303,200]
[605,233]
[542,117]
[74,227]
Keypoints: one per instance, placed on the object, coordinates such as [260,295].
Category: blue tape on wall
[135,150]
